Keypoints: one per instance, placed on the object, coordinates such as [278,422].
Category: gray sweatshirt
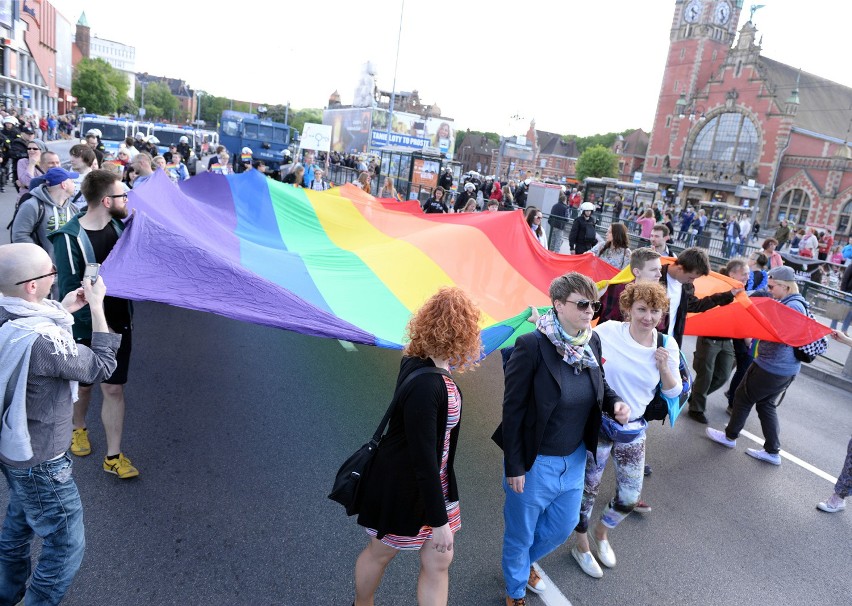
[49,403]
[25,229]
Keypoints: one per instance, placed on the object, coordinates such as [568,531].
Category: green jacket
[72,249]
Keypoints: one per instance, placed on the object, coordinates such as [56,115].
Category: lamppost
[143,82]
[396,65]
[198,95]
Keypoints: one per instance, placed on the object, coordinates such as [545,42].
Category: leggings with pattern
[844,483]
[629,460]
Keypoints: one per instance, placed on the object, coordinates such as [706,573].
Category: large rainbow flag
[342,264]
[334,264]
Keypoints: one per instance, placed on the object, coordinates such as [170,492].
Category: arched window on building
[730,137]
[794,207]
[844,225]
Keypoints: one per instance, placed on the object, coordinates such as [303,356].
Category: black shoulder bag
[353,470]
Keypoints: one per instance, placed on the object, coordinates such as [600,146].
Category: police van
[266,139]
[113,130]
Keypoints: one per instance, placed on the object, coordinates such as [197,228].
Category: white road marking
[350,347]
[551,596]
[794,459]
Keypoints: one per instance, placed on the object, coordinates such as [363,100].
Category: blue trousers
[43,500]
[542,517]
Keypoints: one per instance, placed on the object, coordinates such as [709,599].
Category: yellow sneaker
[122,467]
[80,443]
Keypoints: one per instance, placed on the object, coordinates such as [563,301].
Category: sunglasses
[33,149]
[584,304]
[52,273]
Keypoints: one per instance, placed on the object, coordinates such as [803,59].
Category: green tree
[597,161]
[93,92]
[605,139]
[211,109]
[159,102]
[99,87]
[300,116]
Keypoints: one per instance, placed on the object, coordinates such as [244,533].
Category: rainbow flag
[337,263]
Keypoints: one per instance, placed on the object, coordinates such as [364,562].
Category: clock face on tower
[692,11]
[722,13]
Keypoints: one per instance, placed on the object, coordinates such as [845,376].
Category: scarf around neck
[48,318]
[575,351]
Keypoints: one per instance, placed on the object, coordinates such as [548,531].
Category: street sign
[26,93]
[142,112]
[637,177]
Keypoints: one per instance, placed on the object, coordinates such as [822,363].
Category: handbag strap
[377,436]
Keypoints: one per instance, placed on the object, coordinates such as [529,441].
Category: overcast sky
[576,67]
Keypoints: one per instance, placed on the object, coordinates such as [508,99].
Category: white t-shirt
[630,367]
[674,290]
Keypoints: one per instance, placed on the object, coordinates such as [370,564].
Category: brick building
[475,152]
[631,152]
[547,154]
[736,127]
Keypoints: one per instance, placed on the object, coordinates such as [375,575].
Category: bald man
[40,365]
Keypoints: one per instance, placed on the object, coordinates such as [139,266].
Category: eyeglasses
[538,216]
[584,304]
[52,273]
[33,149]
[118,196]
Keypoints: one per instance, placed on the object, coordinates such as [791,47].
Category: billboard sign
[414,131]
[350,129]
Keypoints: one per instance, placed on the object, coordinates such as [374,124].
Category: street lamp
[198,95]
[143,81]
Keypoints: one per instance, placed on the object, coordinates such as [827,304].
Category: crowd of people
[565,416]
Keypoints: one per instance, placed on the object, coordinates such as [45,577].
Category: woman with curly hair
[634,368]
[409,500]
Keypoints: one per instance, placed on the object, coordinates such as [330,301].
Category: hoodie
[32,225]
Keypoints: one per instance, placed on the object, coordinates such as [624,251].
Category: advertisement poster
[6,13]
[425,173]
[350,129]
[414,131]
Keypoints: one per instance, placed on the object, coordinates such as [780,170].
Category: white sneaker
[762,455]
[833,504]
[605,553]
[719,437]
[587,562]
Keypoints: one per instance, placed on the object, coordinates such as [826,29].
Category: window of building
[794,207]
[844,225]
[729,137]
[668,121]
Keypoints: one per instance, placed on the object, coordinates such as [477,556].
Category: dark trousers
[742,353]
[759,388]
[713,361]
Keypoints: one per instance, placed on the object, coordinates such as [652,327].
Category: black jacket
[583,236]
[433,206]
[402,490]
[557,216]
[689,303]
[533,390]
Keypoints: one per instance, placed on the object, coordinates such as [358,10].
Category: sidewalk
[828,368]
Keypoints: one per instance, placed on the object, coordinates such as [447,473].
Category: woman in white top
[533,216]
[634,366]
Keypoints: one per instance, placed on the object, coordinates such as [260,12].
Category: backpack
[660,407]
[39,215]
[808,353]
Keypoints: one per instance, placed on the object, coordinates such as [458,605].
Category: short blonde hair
[792,286]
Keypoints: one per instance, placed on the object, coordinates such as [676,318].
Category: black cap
[27,131]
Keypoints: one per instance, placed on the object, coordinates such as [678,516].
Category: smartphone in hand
[91,272]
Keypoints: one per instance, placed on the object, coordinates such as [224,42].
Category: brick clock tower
[701,36]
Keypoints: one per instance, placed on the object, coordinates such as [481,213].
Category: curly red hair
[652,293]
[446,327]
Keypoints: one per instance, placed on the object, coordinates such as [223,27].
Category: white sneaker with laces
[719,437]
[762,455]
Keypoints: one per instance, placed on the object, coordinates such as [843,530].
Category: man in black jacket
[583,234]
[557,222]
[678,278]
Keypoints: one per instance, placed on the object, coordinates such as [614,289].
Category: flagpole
[395,67]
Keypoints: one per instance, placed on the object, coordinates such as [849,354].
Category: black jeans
[742,353]
[759,388]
